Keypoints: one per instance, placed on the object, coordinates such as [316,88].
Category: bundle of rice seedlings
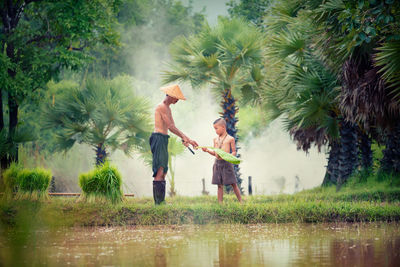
[101,184]
[224,155]
[10,177]
[33,184]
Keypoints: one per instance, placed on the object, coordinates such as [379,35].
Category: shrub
[103,182]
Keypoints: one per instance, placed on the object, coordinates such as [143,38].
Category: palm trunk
[1,111]
[364,145]
[13,121]
[3,157]
[11,17]
[348,152]
[332,170]
[101,154]
[390,162]
[229,114]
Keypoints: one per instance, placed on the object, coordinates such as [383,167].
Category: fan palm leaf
[388,59]
[105,114]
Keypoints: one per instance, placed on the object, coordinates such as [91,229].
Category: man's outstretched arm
[171,126]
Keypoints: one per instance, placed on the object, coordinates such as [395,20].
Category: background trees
[145,27]
[330,69]
[349,43]
[356,32]
[45,40]
[40,38]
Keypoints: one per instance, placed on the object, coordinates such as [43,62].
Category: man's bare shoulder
[230,138]
[162,107]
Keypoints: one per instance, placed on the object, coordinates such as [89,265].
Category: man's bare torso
[162,118]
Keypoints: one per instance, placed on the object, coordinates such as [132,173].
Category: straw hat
[173,90]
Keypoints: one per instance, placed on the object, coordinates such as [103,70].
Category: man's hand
[185,140]
[204,149]
[185,143]
[193,143]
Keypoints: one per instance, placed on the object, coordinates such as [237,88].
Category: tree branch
[77,48]
[41,37]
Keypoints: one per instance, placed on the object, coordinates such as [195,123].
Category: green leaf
[224,155]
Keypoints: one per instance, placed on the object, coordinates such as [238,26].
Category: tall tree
[252,10]
[229,57]
[38,39]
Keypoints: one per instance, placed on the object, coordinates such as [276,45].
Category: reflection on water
[372,244]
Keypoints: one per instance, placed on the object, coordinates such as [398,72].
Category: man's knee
[159,174]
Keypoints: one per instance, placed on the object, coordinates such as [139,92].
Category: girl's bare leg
[237,192]
[220,193]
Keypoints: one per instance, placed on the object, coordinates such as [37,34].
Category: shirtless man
[159,139]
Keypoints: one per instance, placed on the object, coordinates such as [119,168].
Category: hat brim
[171,94]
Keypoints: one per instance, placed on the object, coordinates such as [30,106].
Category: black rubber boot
[159,192]
[162,192]
[155,192]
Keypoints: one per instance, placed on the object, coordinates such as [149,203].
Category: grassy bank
[369,200]
[199,210]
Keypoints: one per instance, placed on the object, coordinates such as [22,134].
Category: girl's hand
[204,149]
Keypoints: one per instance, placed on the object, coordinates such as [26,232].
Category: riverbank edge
[195,210]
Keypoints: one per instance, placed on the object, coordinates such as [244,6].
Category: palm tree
[306,99]
[106,114]
[229,57]
[359,43]
[300,88]
[388,60]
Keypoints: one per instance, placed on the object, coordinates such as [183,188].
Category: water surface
[372,244]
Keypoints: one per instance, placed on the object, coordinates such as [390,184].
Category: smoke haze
[270,158]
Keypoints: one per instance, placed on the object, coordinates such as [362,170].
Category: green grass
[373,199]
[68,212]
[204,210]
